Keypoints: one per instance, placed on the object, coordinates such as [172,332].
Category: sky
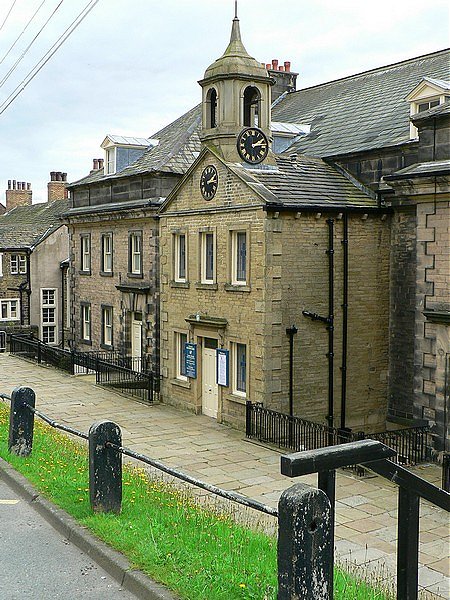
[131,66]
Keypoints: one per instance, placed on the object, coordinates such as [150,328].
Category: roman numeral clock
[252,145]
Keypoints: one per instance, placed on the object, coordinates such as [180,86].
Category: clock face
[208,182]
[252,145]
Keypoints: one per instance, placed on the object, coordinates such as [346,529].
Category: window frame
[132,236]
[1,264]
[8,302]
[235,353]
[104,254]
[86,324]
[181,337]
[177,250]
[107,341]
[110,160]
[204,271]
[49,302]
[85,253]
[20,264]
[235,267]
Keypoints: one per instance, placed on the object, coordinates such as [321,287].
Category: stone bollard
[105,467]
[305,549]
[21,421]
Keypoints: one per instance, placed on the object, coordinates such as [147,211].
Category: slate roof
[361,112]
[26,226]
[179,146]
[308,182]
[425,169]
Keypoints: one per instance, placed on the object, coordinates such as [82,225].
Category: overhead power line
[14,67]
[23,30]
[9,12]
[44,60]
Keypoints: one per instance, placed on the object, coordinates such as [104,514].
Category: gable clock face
[252,145]
[208,182]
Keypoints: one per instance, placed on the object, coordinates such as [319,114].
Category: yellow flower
[242,585]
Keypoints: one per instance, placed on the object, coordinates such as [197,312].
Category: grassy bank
[197,552]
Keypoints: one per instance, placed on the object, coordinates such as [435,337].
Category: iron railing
[111,369]
[412,444]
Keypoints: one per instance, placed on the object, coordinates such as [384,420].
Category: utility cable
[23,30]
[9,12]
[6,77]
[44,60]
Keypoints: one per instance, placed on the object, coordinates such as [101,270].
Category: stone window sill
[238,399]
[206,286]
[180,284]
[181,383]
[106,274]
[84,272]
[229,287]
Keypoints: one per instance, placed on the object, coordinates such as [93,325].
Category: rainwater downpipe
[344,320]
[330,324]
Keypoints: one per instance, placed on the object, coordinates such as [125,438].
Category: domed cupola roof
[236,60]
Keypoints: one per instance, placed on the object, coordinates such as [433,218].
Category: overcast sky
[132,66]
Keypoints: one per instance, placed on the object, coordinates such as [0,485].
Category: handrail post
[446,471]
[39,352]
[305,547]
[105,467]
[408,545]
[21,421]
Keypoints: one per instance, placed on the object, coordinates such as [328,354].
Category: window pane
[182,340]
[182,257]
[241,256]
[241,367]
[209,256]
[4,310]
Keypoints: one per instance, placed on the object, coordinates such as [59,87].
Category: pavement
[366,509]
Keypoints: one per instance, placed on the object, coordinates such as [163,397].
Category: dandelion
[242,585]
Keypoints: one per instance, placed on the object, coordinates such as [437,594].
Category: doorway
[136,341]
[210,389]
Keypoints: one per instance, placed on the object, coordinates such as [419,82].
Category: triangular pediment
[428,88]
[234,190]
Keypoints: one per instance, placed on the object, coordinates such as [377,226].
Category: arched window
[211,109]
[252,105]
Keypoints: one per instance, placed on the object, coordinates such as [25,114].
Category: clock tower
[236,104]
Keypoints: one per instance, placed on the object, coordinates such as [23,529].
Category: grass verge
[196,551]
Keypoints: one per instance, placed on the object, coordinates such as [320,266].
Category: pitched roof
[27,226]
[304,181]
[361,112]
[178,147]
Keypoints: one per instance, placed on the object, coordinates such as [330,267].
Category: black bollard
[305,553]
[105,467]
[21,421]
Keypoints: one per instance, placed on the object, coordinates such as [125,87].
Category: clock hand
[212,180]
[258,143]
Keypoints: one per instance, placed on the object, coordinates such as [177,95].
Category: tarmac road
[37,563]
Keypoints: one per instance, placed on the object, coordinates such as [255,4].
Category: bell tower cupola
[235,96]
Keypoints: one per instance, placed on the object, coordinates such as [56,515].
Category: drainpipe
[291,331]
[63,307]
[330,325]
[28,290]
[344,322]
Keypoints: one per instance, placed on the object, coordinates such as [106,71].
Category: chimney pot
[9,184]
[64,176]
[52,176]
[23,185]
[14,184]
[58,176]
[274,64]
[28,186]
[95,167]
[281,68]
[100,163]
[287,65]
[268,66]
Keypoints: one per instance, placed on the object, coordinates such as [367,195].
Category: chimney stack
[285,79]
[18,193]
[57,186]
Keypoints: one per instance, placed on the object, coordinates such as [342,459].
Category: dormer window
[429,93]
[211,109]
[122,151]
[252,107]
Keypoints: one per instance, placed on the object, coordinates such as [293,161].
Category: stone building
[245,242]
[357,131]
[113,229]
[33,243]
